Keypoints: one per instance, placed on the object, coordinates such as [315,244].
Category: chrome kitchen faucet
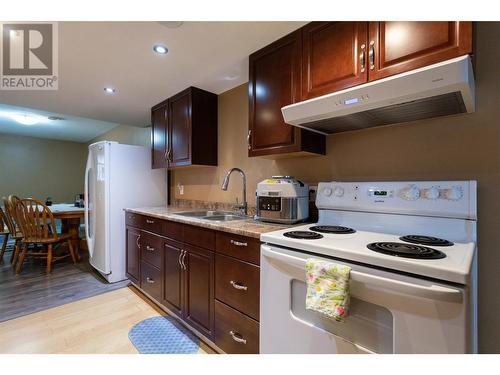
[242,207]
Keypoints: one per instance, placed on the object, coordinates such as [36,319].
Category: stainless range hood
[437,90]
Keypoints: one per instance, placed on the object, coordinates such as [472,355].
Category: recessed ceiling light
[27,118]
[160,49]
[109,90]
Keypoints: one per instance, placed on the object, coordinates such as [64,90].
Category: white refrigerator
[116,177]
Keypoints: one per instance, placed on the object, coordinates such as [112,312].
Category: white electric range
[412,250]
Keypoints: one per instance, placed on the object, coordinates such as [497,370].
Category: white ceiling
[66,128]
[93,55]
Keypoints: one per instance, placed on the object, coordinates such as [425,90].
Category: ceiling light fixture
[171,24]
[160,49]
[27,118]
[109,90]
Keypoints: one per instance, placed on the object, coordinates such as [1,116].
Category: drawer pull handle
[149,280]
[237,285]
[137,241]
[150,221]
[237,337]
[180,256]
[182,259]
[238,243]
[149,248]
[371,55]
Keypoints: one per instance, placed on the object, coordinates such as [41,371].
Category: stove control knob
[431,193]
[327,192]
[410,193]
[338,191]
[454,194]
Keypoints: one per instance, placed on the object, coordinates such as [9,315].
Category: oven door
[389,312]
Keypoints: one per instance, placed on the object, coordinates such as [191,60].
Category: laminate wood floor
[33,290]
[96,325]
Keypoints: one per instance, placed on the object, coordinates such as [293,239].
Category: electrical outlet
[181,189]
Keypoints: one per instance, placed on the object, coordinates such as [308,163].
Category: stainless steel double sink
[212,215]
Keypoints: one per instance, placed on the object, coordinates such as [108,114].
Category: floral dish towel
[327,288]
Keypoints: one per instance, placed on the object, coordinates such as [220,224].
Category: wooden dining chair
[14,230]
[4,232]
[39,229]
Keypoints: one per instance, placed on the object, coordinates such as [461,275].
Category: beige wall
[129,135]
[459,147]
[35,167]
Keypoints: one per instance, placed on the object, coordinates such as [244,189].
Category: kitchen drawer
[235,333]
[151,280]
[200,237]
[173,230]
[151,248]
[237,284]
[133,220]
[152,224]
[244,248]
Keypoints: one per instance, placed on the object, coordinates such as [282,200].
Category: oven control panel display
[379,193]
[270,203]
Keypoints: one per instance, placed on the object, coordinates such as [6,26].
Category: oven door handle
[431,291]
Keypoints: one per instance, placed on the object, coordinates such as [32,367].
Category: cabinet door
[402,46]
[274,82]
[172,290]
[159,136]
[198,308]
[180,129]
[334,57]
[132,255]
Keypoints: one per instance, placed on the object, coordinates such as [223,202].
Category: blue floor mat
[163,335]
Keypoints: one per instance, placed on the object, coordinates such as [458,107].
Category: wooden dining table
[70,217]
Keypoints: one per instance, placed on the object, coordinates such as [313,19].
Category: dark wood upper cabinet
[133,254]
[159,135]
[180,129]
[398,46]
[274,82]
[190,131]
[199,297]
[334,57]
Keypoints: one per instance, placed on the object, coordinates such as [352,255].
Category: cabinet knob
[237,337]
[150,221]
[149,280]
[149,248]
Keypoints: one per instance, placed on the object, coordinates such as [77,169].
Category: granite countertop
[247,227]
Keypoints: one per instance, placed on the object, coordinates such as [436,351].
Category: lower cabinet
[235,333]
[151,280]
[132,256]
[172,271]
[209,279]
[198,310]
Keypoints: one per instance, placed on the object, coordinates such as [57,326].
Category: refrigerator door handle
[90,242]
